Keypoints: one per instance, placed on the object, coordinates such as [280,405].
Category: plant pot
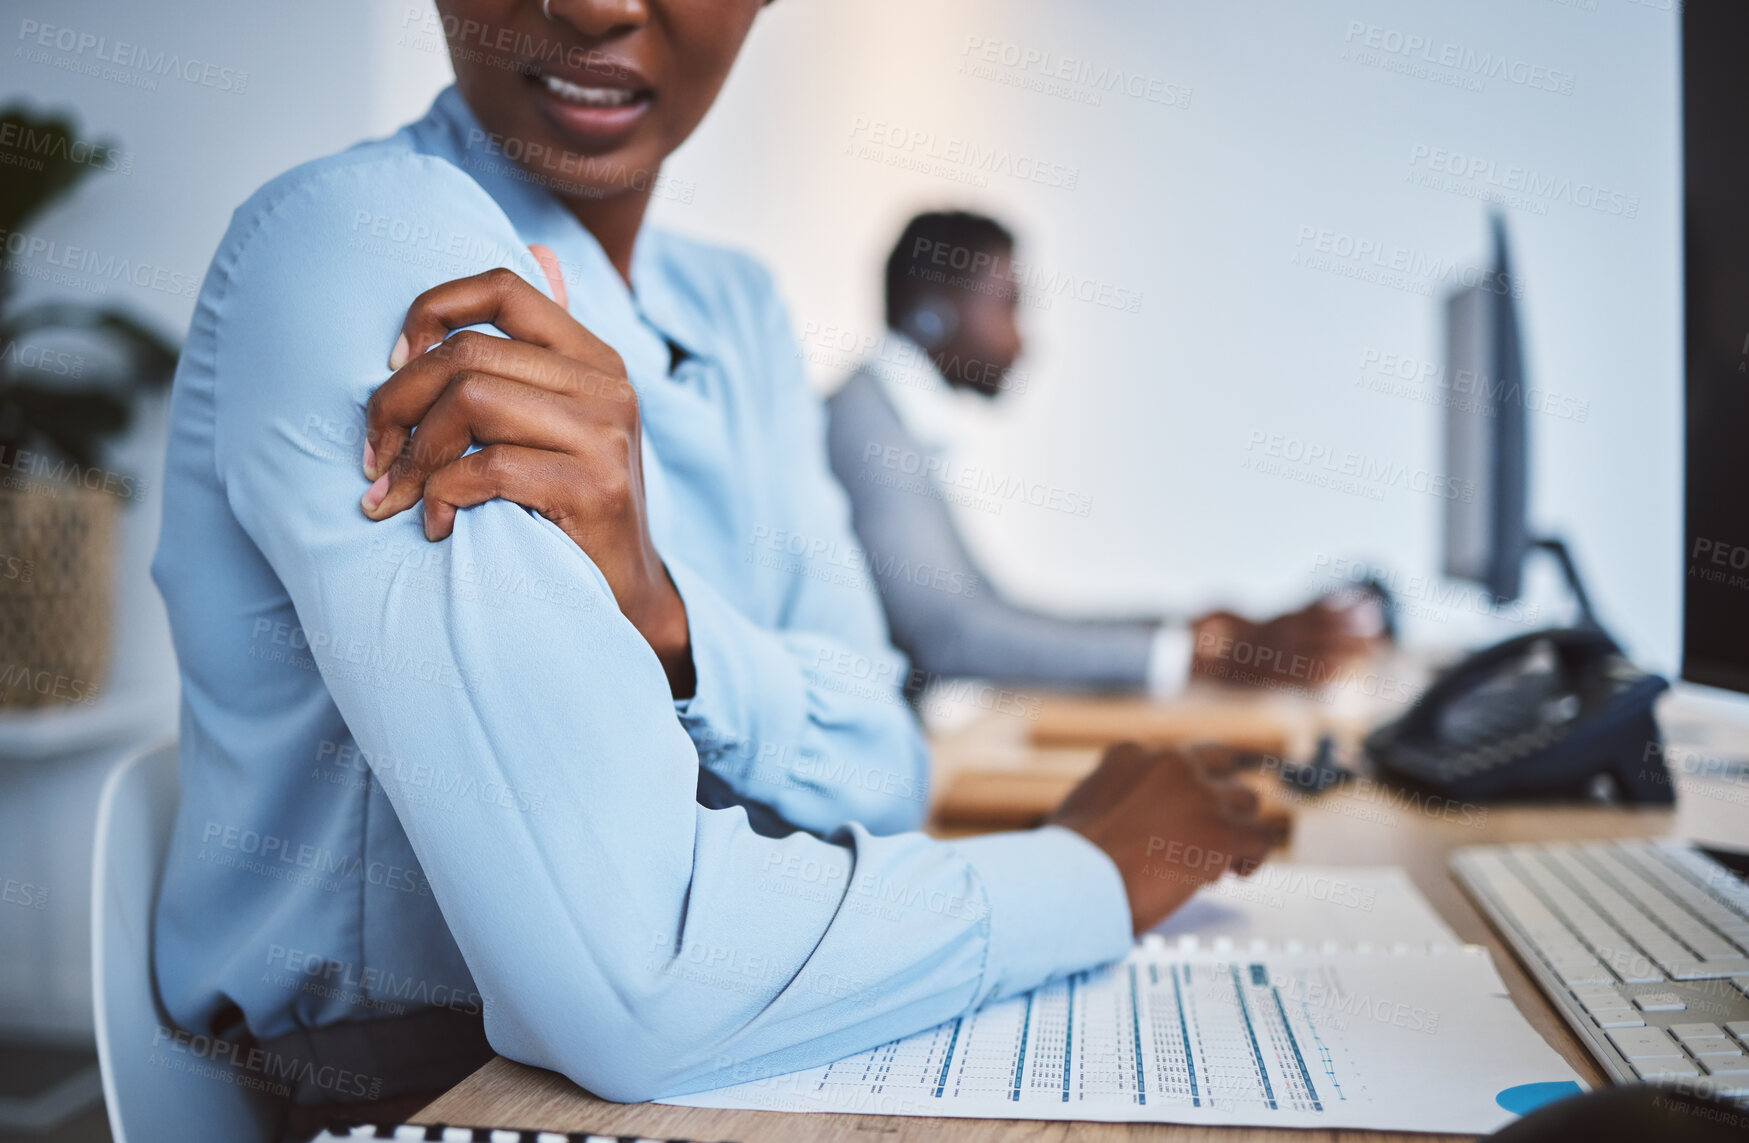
[57,575]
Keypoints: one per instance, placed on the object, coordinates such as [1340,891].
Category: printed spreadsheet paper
[1406,1041]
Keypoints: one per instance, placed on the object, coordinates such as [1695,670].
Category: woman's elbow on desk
[655,1046]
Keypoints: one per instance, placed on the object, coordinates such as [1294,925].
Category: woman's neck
[614,221]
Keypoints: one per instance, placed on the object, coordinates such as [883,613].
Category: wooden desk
[1361,827]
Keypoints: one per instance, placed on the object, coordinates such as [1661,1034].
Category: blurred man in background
[952,336]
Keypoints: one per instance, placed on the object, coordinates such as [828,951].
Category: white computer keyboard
[1643,947]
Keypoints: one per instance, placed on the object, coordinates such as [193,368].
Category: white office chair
[155,1093]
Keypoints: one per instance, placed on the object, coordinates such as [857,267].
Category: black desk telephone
[1541,716]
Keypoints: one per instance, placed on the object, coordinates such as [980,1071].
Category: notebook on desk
[1298,1006]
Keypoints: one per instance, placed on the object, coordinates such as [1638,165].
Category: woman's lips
[596,115]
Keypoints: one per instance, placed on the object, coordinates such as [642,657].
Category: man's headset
[931,322]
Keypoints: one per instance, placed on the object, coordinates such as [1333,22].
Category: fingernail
[375,493]
[398,356]
[370,459]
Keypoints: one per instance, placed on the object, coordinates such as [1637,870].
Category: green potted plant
[71,376]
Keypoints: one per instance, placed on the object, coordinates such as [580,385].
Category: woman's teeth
[588,96]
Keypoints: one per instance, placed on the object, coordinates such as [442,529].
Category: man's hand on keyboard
[1170,820]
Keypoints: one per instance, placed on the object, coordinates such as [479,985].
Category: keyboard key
[1686,1032]
[1712,1046]
[1591,990]
[1710,969]
[1732,1067]
[1617,1018]
[1739,1029]
[1659,1002]
[1645,1044]
[1631,966]
[1663,1069]
[1590,971]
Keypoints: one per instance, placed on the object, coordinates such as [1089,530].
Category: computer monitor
[1486,536]
[1715,146]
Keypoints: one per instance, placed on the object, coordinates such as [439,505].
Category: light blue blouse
[421,774]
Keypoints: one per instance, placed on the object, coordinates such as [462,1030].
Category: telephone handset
[1540,716]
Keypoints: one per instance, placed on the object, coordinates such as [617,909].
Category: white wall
[1200,210]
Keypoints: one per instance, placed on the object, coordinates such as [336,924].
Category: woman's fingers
[501,298]
[403,401]
[474,408]
[534,478]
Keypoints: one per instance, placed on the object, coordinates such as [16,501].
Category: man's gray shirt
[943,611]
